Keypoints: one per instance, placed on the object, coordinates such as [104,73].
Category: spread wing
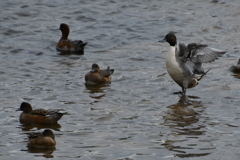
[201,53]
[195,54]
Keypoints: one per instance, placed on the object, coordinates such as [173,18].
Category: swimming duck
[40,116]
[66,45]
[97,76]
[46,139]
[236,69]
[184,63]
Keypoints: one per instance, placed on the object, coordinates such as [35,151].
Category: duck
[66,45]
[39,116]
[236,68]
[97,76]
[184,63]
[46,139]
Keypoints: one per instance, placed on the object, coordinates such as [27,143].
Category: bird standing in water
[184,63]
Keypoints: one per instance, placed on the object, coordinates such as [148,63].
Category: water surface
[137,116]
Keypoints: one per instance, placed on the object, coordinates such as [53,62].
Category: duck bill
[164,40]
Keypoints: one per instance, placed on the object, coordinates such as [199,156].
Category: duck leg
[183,91]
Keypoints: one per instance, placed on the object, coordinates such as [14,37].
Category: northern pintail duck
[40,116]
[66,45]
[184,63]
[97,76]
[46,139]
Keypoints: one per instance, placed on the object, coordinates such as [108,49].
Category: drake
[184,63]
[40,116]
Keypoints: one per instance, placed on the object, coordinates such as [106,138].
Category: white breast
[172,65]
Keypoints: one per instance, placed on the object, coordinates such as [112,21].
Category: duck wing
[78,43]
[34,135]
[195,54]
[183,55]
[108,72]
[55,112]
[41,112]
[182,51]
[201,53]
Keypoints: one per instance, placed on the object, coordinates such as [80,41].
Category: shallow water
[138,116]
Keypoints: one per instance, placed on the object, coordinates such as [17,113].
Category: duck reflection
[182,118]
[47,151]
[182,113]
[28,127]
[66,53]
[94,89]
[41,142]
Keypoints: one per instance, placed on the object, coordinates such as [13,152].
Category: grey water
[138,116]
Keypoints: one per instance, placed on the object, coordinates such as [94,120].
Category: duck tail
[203,75]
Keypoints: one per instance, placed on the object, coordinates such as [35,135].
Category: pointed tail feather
[203,75]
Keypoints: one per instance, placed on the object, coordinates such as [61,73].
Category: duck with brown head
[46,139]
[39,116]
[97,76]
[66,45]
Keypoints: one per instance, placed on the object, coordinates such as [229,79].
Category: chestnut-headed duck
[66,45]
[46,139]
[40,116]
[97,76]
[184,63]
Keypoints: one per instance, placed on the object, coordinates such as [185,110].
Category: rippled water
[138,116]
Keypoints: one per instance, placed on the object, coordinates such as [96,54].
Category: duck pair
[95,76]
[46,139]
